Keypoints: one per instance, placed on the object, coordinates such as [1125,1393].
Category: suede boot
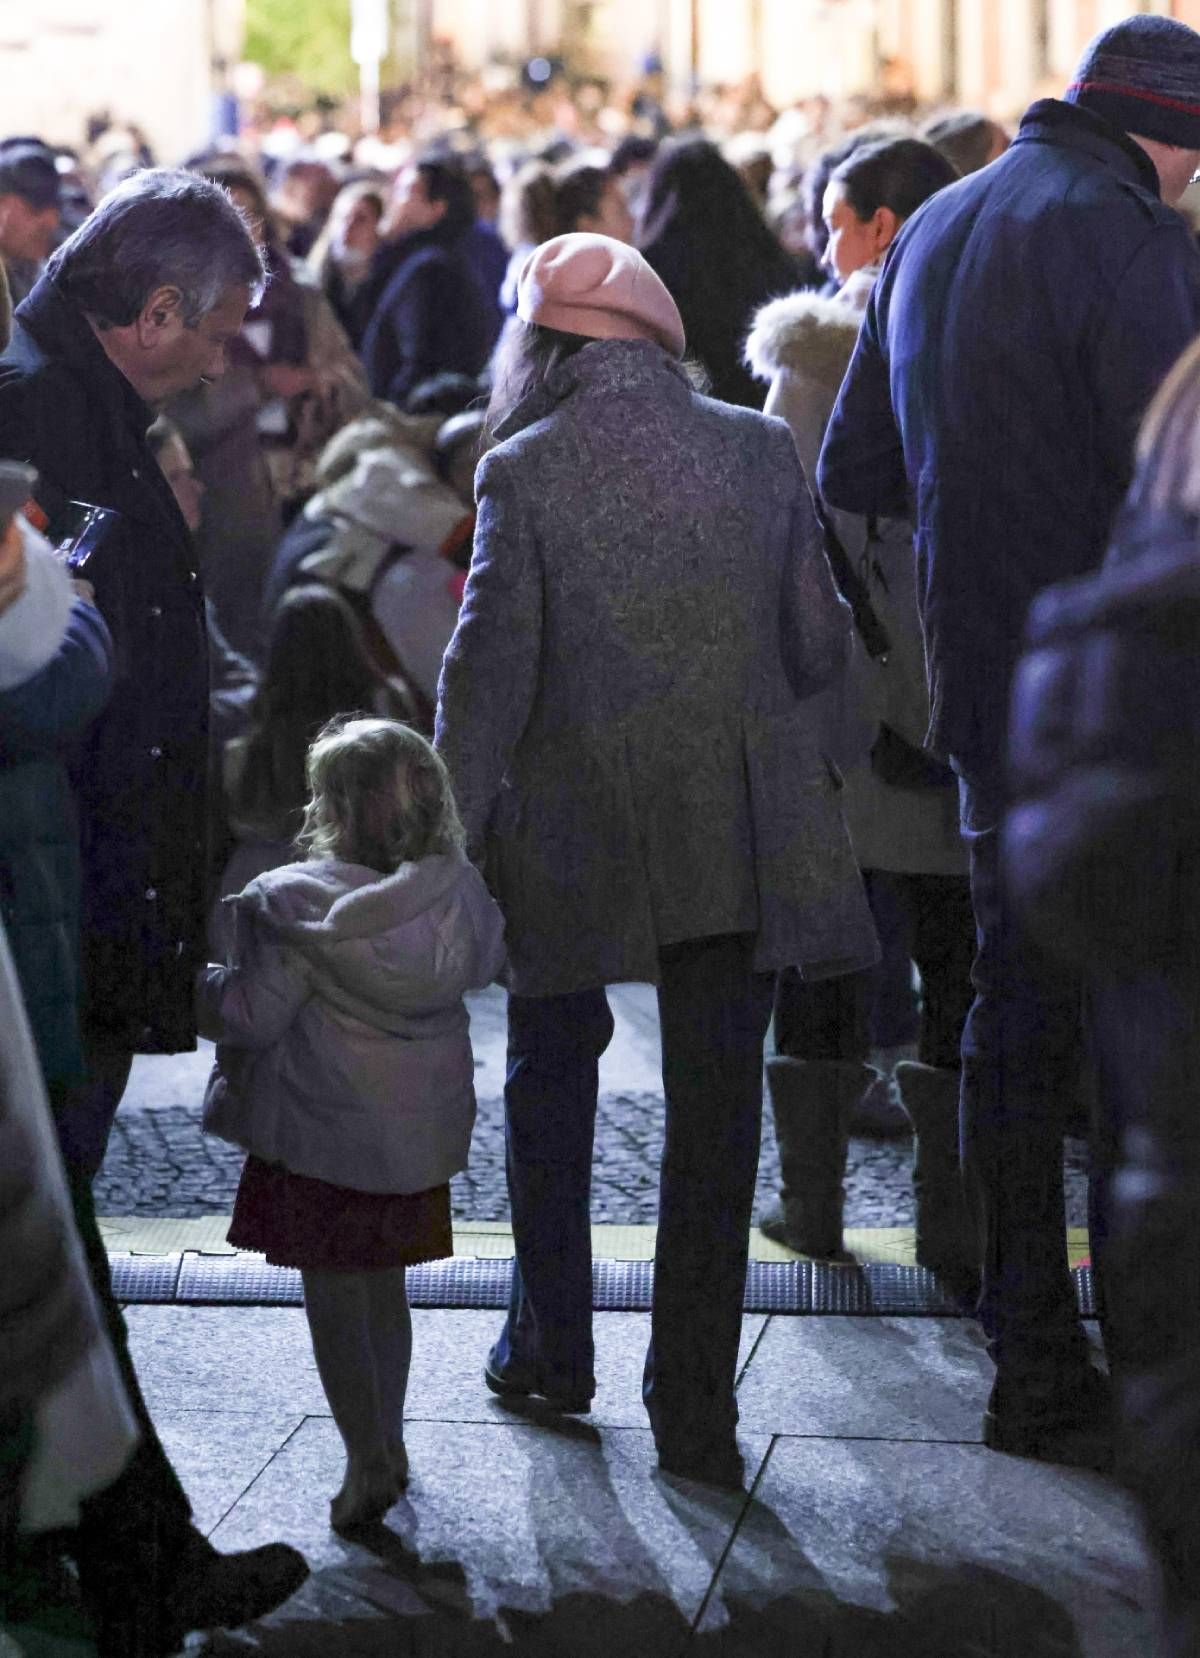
[946,1239]
[812,1101]
[878,1114]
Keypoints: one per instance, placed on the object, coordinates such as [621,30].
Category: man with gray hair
[139,304]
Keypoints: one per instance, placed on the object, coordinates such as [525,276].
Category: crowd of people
[590,570]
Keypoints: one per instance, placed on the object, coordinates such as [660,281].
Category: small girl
[344,1067]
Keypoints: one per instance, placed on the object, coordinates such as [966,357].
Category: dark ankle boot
[812,1101]
[946,1239]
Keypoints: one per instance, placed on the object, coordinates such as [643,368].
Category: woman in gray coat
[620,709]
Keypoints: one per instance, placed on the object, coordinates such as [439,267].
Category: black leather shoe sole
[566,1404]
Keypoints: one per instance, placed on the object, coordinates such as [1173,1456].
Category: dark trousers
[84,1115]
[714,1011]
[146,1505]
[1146,1038]
[830,1019]
[893,1011]
[1021,1062]
[138,1524]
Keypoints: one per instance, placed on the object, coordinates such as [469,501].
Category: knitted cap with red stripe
[1143,75]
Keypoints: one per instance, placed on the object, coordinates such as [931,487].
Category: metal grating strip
[145,1278]
[785,1287]
[238,1279]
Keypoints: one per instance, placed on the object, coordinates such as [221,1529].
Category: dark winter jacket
[40,721]
[1023,320]
[1102,840]
[488,258]
[432,318]
[140,776]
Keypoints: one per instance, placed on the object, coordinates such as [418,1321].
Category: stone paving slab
[198,1359]
[870,1529]
[872,1549]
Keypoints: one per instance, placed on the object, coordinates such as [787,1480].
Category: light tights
[361,1331]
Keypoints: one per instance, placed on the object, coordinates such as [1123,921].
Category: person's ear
[160,316]
[885,224]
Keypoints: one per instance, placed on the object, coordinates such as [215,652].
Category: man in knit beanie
[1024,319]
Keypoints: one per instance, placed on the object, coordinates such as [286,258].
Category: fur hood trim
[810,333]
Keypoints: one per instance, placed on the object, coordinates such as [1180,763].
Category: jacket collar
[604,367]
[1051,121]
[63,332]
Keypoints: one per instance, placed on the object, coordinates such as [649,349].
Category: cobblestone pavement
[159,1163]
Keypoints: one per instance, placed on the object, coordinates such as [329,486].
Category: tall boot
[812,1101]
[947,1241]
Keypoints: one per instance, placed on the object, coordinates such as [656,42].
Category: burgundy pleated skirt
[296,1221]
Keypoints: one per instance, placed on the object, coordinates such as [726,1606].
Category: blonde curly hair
[379,795]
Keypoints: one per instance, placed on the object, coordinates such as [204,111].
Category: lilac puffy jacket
[343,1040]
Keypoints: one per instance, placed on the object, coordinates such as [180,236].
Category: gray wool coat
[622,704]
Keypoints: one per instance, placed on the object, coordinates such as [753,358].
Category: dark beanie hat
[1143,75]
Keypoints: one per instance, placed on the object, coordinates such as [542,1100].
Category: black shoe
[1075,1428]
[222,1591]
[712,1463]
[521,1385]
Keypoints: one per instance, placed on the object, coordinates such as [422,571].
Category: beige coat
[803,344]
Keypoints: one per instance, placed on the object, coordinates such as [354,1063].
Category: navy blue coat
[40,721]
[432,318]
[1024,319]
[140,776]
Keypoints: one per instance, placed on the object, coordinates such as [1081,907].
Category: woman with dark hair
[621,710]
[589,198]
[544,202]
[820,171]
[868,198]
[432,316]
[631,163]
[904,825]
[318,665]
[701,231]
[528,217]
[340,261]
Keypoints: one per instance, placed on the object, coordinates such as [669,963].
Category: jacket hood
[387,950]
[325,902]
[805,332]
[393,496]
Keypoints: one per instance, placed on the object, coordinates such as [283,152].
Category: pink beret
[584,284]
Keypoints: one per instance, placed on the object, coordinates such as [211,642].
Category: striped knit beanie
[1143,75]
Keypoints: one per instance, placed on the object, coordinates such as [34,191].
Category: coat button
[156,610]
[136,473]
[156,752]
[151,894]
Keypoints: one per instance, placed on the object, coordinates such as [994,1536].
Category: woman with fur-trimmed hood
[900,804]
